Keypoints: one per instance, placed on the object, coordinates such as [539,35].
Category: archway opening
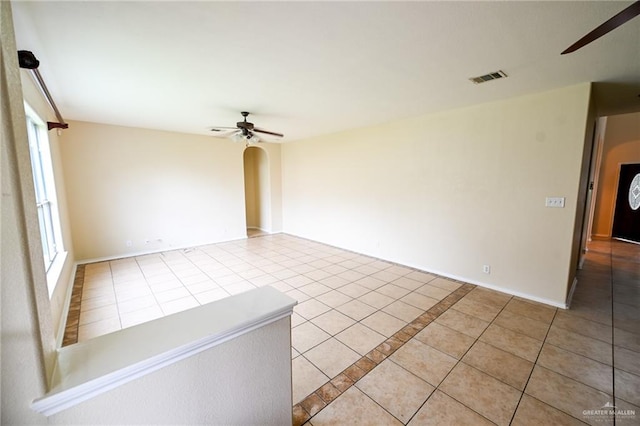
[256,191]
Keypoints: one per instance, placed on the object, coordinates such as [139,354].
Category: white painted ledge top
[89,368]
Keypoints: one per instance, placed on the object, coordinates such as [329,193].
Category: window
[45,192]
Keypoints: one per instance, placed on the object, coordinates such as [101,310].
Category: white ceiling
[313,68]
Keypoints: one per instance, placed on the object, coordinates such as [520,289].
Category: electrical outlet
[486,269]
[557,202]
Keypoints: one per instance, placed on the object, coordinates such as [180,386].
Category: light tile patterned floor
[378,343]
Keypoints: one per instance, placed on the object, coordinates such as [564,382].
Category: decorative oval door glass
[634,193]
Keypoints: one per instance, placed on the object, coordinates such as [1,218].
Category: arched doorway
[256,190]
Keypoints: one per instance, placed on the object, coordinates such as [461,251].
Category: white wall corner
[567,304]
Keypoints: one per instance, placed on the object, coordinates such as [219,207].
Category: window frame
[45,192]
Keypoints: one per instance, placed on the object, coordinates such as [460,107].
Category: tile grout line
[71,332]
[358,321]
[613,343]
[115,294]
[577,353]
[535,363]
[477,339]
[481,371]
[148,285]
[307,408]
[524,388]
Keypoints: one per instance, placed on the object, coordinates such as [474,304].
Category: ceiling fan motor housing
[244,125]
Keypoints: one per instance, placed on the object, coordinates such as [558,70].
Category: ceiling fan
[246,131]
[609,25]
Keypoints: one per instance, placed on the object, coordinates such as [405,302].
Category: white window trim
[55,265]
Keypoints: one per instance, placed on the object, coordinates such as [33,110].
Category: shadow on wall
[616,98]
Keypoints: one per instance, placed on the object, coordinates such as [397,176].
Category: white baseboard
[452,276]
[143,253]
[626,241]
[497,288]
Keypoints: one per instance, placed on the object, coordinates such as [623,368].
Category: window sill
[54,272]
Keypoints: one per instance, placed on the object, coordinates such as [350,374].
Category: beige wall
[621,145]
[170,189]
[274,158]
[263,193]
[28,343]
[452,191]
[257,188]
[251,185]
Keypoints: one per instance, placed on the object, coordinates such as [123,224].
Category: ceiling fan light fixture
[252,138]
[245,132]
[249,138]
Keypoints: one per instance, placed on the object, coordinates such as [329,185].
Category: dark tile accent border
[323,396]
[73,316]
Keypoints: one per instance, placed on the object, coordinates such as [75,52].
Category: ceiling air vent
[488,77]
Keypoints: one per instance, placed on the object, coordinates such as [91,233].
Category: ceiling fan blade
[224,133]
[613,23]
[223,129]
[267,132]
